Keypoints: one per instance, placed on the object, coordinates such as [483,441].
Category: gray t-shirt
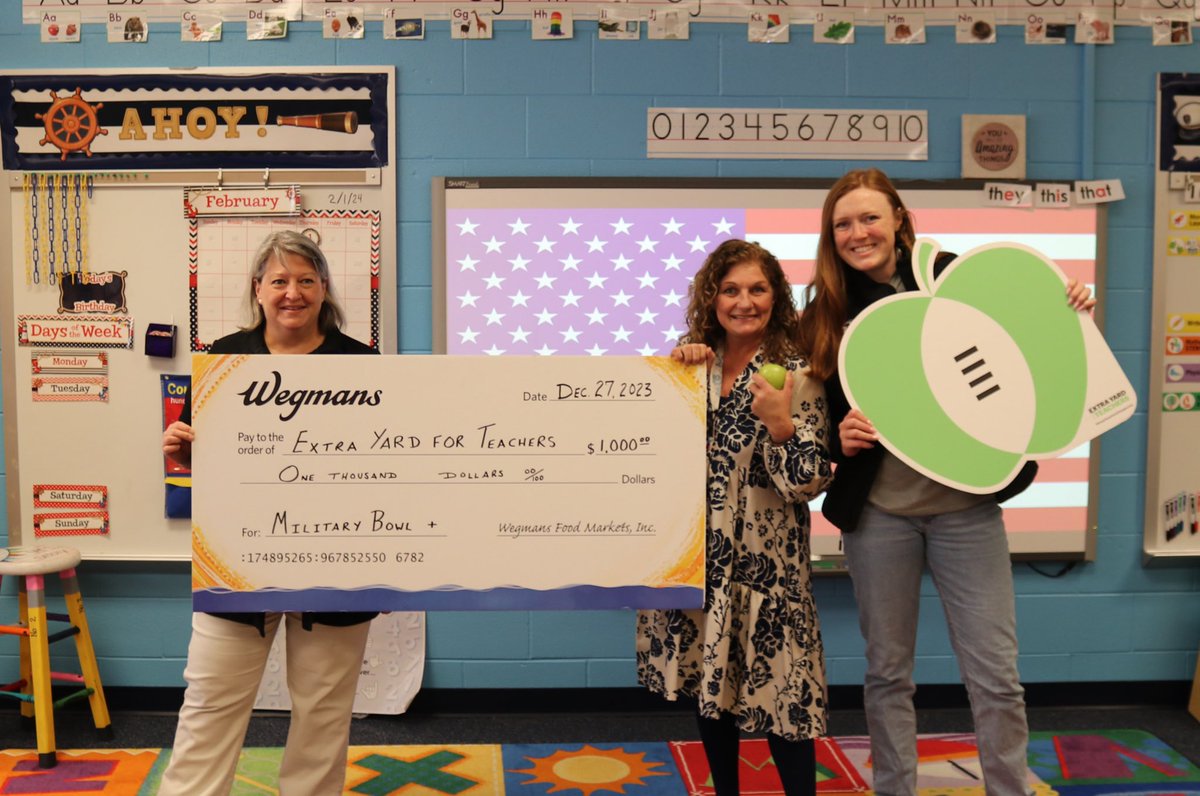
[901,490]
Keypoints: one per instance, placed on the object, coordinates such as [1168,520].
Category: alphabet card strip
[467,23]
[402,25]
[1046,29]
[60,26]
[83,523]
[70,496]
[978,27]
[904,29]
[126,28]
[618,24]
[670,24]
[342,24]
[195,27]
[834,27]
[549,24]
[768,28]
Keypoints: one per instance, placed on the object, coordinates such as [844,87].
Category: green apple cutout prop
[776,375]
[983,368]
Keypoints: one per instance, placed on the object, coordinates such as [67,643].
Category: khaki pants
[225,665]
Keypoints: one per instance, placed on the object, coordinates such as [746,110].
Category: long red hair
[826,300]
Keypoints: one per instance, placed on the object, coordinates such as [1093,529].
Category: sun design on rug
[590,769]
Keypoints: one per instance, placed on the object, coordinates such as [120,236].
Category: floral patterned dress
[755,650]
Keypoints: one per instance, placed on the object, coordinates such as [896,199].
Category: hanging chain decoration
[27,198]
[35,244]
[48,183]
[54,225]
[66,229]
[82,255]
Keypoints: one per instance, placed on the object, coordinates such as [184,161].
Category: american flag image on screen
[607,281]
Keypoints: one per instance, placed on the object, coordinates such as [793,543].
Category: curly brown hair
[779,344]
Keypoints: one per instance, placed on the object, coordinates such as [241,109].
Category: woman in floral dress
[752,659]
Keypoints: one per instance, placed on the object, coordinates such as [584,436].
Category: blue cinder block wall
[513,106]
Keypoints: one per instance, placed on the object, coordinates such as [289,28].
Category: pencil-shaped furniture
[30,565]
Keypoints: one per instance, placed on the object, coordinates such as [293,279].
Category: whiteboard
[135,225]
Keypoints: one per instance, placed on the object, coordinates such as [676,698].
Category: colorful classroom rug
[1108,763]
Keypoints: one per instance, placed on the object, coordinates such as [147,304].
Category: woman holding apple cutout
[895,521]
[295,312]
[752,658]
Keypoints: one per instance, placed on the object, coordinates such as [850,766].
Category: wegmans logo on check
[271,392]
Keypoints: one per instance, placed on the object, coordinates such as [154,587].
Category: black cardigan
[852,481]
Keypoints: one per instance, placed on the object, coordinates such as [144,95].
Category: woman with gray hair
[293,311]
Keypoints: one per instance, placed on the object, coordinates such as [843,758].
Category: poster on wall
[75,122]
[392,667]
[1172,514]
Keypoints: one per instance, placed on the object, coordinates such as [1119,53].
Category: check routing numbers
[445,463]
[752,132]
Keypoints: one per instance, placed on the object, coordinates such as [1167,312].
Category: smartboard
[84,299]
[601,266]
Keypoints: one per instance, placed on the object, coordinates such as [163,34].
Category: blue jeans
[967,554]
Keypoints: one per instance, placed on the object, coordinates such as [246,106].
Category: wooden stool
[30,565]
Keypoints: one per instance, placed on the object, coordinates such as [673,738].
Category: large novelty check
[424,482]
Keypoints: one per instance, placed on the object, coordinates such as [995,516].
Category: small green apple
[775,375]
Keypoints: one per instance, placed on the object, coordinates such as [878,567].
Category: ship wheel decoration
[71,124]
